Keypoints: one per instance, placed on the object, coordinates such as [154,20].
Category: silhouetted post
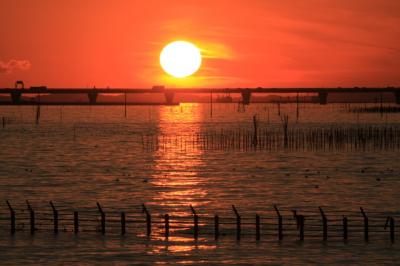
[297,106]
[390,221]
[55,217]
[12,218]
[257,227]
[392,229]
[76,222]
[166,221]
[32,217]
[4,121]
[125,104]
[123,223]
[103,219]
[280,227]
[216,227]
[365,224]
[344,228]
[211,104]
[255,134]
[301,226]
[195,223]
[324,224]
[238,223]
[148,220]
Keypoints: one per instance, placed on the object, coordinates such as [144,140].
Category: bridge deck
[35,90]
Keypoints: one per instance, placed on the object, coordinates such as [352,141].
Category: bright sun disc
[180,59]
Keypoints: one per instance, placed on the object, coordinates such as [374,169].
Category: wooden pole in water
[148,220]
[32,217]
[76,222]
[366,237]
[392,229]
[280,227]
[301,226]
[166,221]
[345,228]
[123,223]
[238,223]
[216,227]
[55,217]
[12,218]
[297,107]
[324,225]
[103,219]
[195,223]
[125,104]
[390,221]
[211,104]
[258,227]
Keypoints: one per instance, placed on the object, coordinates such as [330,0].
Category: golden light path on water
[175,176]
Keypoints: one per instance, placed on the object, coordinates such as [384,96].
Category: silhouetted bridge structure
[246,93]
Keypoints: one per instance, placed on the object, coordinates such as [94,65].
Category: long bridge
[17,92]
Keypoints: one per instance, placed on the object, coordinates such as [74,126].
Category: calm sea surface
[77,156]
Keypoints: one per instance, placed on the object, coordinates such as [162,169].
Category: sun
[180,59]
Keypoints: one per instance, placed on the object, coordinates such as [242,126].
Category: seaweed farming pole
[12,218]
[255,135]
[345,232]
[123,223]
[238,223]
[324,224]
[76,222]
[366,237]
[258,227]
[148,220]
[211,104]
[55,217]
[103,219]
[32,217]
[166,222]
[216,227]
[195,223]
[280,227]
[125,103]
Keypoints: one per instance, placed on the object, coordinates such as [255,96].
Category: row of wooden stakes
[300,222]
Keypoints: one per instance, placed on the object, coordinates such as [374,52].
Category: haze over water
[78,156]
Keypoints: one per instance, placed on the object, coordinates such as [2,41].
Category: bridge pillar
[19,84]
[169,97]
[92,97]
[397,97]
[246,96]
[323,97]
[16,96]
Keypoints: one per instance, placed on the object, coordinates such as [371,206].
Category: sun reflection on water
[175,177]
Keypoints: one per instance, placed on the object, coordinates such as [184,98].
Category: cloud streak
[14,64]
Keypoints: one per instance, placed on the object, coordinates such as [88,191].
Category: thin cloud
[13,64]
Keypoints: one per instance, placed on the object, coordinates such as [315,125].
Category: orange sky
[245,43]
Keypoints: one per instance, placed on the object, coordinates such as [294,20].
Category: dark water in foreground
[79,156]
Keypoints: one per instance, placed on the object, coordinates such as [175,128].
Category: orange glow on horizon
[244,44]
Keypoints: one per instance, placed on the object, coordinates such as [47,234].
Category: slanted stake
[103,219]
[12,218]
[280,226]
[195,223]
[55,217]
[366,237]
[148,220]
[238,223]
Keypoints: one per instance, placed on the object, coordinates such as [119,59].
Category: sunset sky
[244,43]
